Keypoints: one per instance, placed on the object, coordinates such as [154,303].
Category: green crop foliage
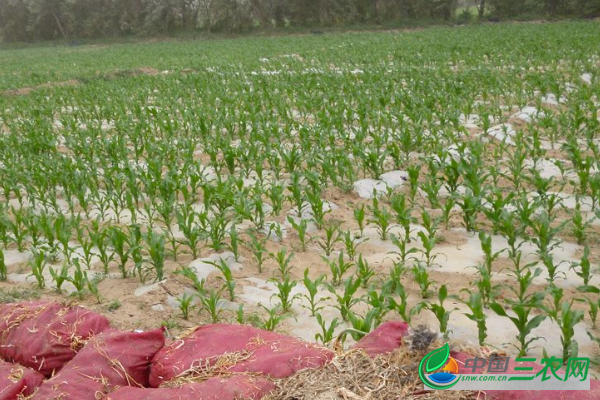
[155,245]
[276,144]
[3,268]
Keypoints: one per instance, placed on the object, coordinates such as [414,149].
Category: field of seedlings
[314,185]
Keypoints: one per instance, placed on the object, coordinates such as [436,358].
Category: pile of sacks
[51,351]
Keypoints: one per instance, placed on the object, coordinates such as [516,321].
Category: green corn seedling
[185,305]
[440,312]
[225,269]
[332,236]
[118,240]
[300,228]
[382,218]
[327,332]
[477,314]
[403,251]
[421,276]
[312,287]
[583,267]
[360,217]
[351,243]
[523,321]
[60,276]
[259,250]
[347,299]
[364,271]
[363,325]
[3,268]
[273,319]
[338,268]
[234,242]
[210,303]
[191,275]
[155,245]
[284,262]
[285,287]
[38,264]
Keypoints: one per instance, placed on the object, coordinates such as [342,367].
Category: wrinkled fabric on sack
[592,394]
[45,336]
[385,339]
[236,348]
[233,388]
[16,381]
[108,361]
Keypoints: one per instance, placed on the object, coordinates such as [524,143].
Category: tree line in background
[29,20]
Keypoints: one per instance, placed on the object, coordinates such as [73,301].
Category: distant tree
[480,4]
[14,18]
[50,19]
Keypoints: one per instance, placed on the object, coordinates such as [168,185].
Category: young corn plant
[338,268]
[118,240]
[348,298]
[401,305]
[3,268]
[545,238]
[227,277]
[296,197]
[312,287]
[60,276]
[80,280]
[583,267]
[470,205]
[259,250]
[277,198]
[186,220]
[428,239]
[351,244]
[19,229]
[580,225]
[522,311]
[100,240]
[327,332]
[216,231]
[234,242]
[413,179]
[155,245]
[186,305]
[382,218]
[593,307]
[38,264]
[447,209]
[403,214]
[274,318]
[563,314]
[317,206]
[209,301]
[477,314]
[364,271]
[439,311]
[190,274]
[332,236]
[404,252]
[92,287]
[135,241]
[488,255]
[361,326]
[360,217]
[284,261]
[422,278]
[300,228]
[285,286]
